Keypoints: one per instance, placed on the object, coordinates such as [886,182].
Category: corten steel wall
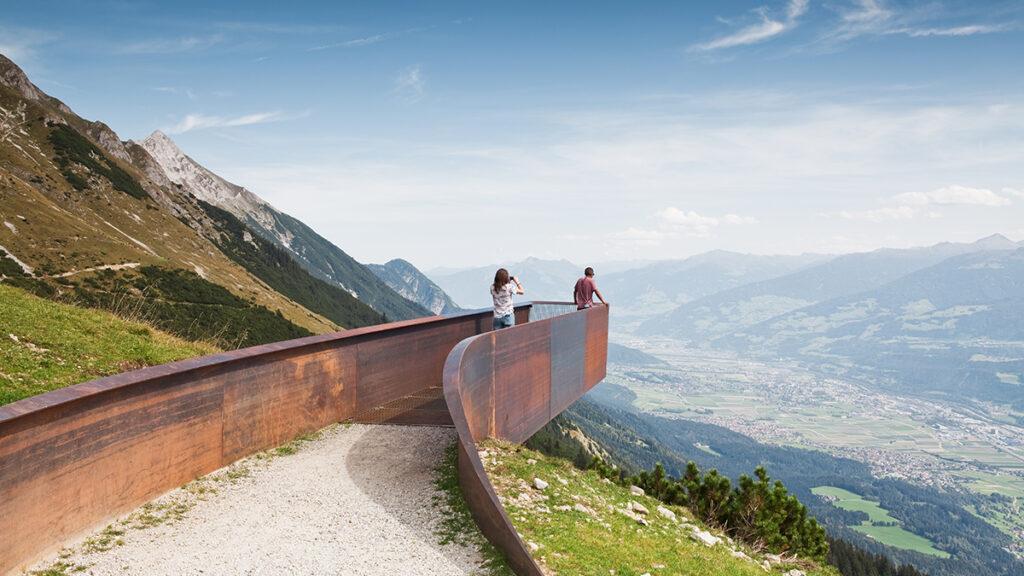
[76,457]
[510,383]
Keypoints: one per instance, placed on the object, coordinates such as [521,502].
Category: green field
[987,483]
[899,538]
[894,536]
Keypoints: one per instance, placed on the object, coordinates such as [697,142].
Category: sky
[470,133]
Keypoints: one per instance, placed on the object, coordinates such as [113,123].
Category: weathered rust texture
[507,385]
[77,457]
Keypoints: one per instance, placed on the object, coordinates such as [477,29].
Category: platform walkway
[358,500]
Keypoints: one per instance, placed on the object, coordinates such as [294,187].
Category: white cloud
[738,220]
[410,83]
[969,30]
[953,195]
[766,29]
[688,222]
[201,121]
[1013,192]
[691,223]
[912,204]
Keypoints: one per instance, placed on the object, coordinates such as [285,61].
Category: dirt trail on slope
[356,501]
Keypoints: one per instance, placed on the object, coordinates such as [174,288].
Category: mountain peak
[12,76]
[995,242]
[159,140]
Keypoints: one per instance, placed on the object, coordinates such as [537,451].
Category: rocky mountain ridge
[408,281]
[316,254]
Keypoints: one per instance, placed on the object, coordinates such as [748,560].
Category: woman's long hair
[500,279]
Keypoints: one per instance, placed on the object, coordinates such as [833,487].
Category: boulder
[539,484]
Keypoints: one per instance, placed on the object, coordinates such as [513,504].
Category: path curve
[356,501]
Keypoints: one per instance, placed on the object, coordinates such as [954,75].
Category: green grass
[894,536]
[855,502]
[59,345]
[457,525]
[605,541]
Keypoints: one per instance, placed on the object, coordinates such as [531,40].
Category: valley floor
[354,499]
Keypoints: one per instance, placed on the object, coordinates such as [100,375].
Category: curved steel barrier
[79,456]
[510,383]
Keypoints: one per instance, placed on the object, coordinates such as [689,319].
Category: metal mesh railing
[545,310]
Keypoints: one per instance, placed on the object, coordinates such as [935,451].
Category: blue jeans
[506,321]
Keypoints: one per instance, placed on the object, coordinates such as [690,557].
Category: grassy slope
[609,542]
[60,345]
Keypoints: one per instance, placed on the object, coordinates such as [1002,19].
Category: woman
[501,292]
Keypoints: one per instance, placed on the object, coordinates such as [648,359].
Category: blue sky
[469,133]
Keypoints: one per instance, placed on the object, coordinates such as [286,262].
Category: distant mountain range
[724,312]
[946,319]
[543,280]
[659,287]
[412,284]
[142,226]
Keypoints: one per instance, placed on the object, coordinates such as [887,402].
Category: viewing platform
[74,459]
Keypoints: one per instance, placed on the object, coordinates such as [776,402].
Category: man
[585,289]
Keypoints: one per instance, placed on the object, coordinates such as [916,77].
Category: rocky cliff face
[408,281]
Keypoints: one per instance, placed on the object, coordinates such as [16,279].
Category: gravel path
[358,500]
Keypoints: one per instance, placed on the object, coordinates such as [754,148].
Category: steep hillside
[407,280]
[543,280]
[316,254]
[46,345]
[576,522]
[282,273]
[73,205]
[659,287]
[725,312]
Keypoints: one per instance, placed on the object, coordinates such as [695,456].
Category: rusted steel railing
[75,458]
[510,383]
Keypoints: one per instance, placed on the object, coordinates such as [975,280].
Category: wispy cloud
[170,45]
[768,27]
[969,30]
[193,122]
[366,40]
[878,18]
[186,92]
[410,84]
